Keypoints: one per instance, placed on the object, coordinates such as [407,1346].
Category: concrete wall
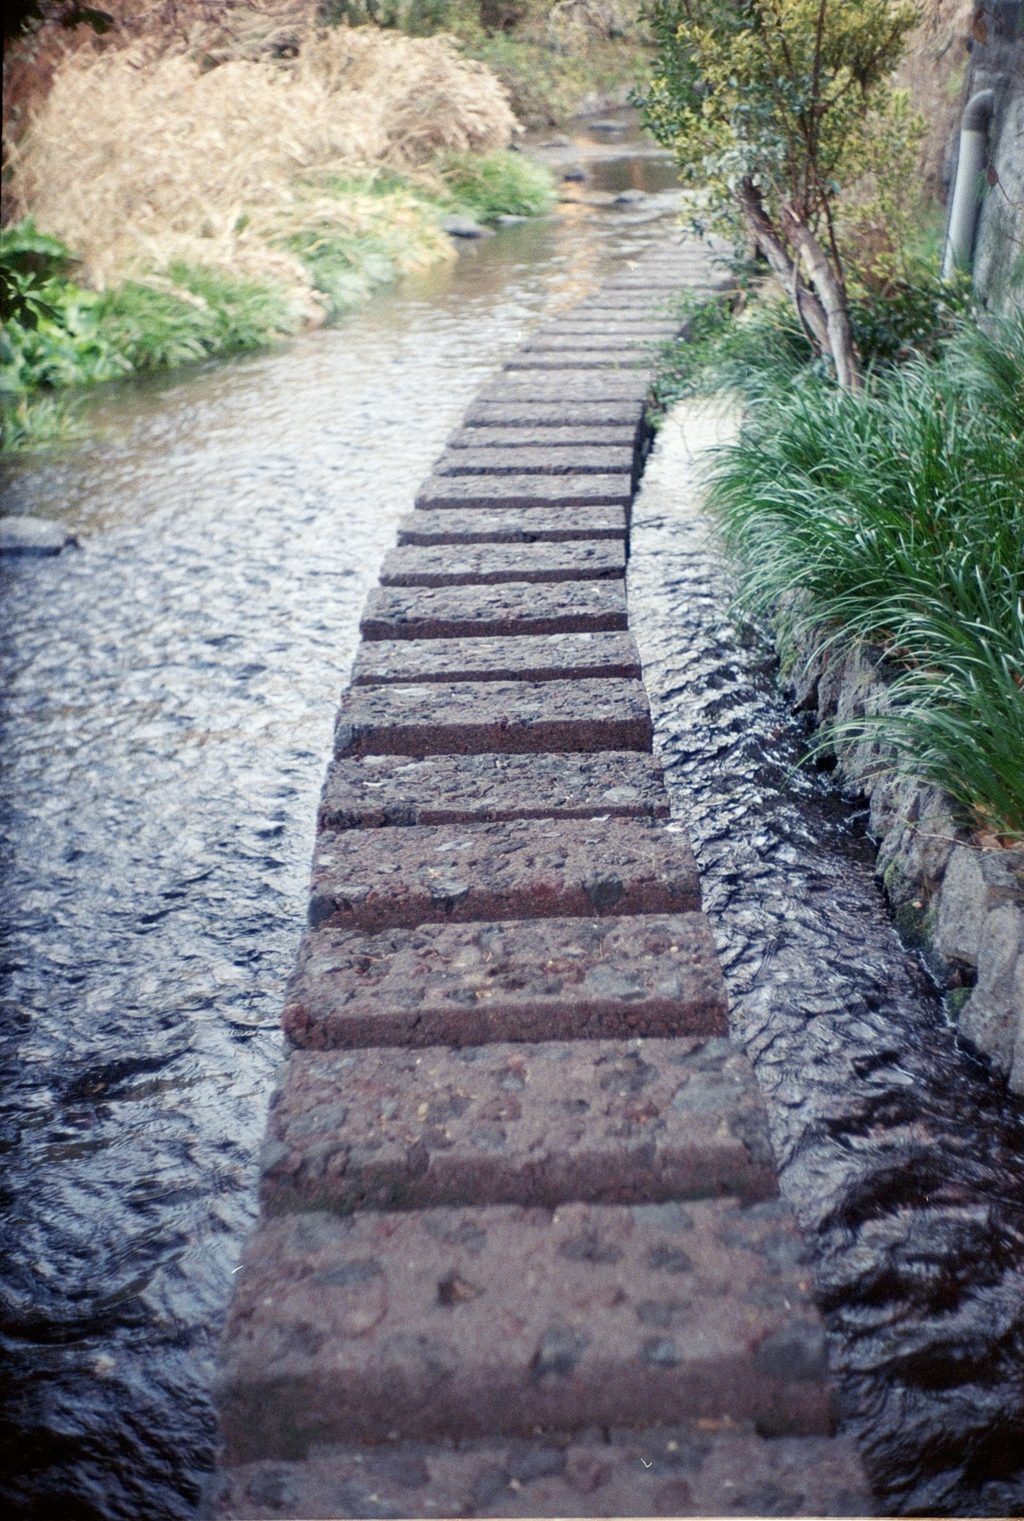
[997,64]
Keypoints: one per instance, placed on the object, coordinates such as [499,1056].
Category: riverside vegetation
[875,495]
[207,209]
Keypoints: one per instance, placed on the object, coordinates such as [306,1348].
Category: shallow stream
[168,692]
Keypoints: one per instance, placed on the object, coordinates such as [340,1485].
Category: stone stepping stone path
[521,1250]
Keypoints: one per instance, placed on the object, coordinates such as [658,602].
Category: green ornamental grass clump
[893,516]
[498,184]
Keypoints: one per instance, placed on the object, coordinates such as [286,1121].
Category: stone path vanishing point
[521,1251]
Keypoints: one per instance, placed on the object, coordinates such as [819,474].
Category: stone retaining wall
[521,1251]
[960,903]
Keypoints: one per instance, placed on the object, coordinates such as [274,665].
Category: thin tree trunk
[833,299]
[809,309]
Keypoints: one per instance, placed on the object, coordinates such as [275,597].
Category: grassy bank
[893,517]
[210,210]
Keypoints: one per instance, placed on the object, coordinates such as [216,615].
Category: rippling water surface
[168,696]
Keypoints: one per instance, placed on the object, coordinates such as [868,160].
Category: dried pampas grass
[136,161]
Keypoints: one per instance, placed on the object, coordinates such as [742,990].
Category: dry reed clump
[136,162]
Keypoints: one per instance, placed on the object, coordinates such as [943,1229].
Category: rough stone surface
[584,460]
[559,413]
[36,537]
[624,358]
[516,869]
[645,304]
[1016,1080]
[468,717]
[993,1017]
[379,791]
[491,564]
[605,1122]
[708,1468]
[569,386]
[592,337]
[513,525]
[527,980]
[440,491]
[584,435]
[542,657]
[517,607]
[454,1322]
[975,883]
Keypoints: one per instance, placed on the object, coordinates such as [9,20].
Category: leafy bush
[37,422]
[895,516]
[69,336]
[498,184]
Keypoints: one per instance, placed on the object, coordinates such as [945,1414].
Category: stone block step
[604,1122]
[586,459]
[492,564]
[569,386]
[509,1320]
[624,357]
[705,1468]
[647,304]
[511,525]
[469,717]
[559,414]
[379,791]
[440,491]
[375,879]
[526,980]
[539,657]
[570,337]
[586,435]
[517,607]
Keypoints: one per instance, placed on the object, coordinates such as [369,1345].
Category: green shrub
[61,335]
[897,517]
[498,184]
[37,422]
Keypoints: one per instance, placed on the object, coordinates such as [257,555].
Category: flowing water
[169,689]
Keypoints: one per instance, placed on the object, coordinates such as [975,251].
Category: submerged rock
[33,536]
[462,227]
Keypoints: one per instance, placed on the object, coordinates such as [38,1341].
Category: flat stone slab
[35,537]
[439,491]
[605,1122]
[505,1319]
[525,980]
[570,385]
[625,357]
[515,607]
[492,564]
[586,459]
[380,791]
[469,717]
[699,1469]
[641,301]
[542,657]
[606,328]
[586,435]
[555,414]
[512,525]
[376,879]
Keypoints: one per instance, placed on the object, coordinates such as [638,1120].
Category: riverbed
[169,689]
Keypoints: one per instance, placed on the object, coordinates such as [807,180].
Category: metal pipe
[970,166]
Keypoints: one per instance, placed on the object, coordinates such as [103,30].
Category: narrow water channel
[168,696]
